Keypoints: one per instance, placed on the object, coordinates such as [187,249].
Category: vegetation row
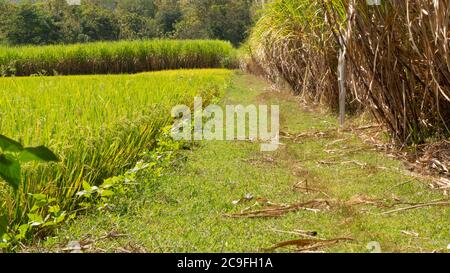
[115,57]
[396,54]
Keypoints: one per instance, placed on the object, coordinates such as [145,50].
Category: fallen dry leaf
[308,244]
[410,233]
[280,210]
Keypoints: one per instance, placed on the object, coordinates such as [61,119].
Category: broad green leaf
[54,209]
[9,145]
[107,193]
[60,217]
[40,201]
[35,208]
[23,229]
[72,216]
[39,196]
[10,170]
[86,186]
[41,154]
[35,219]
[48,224]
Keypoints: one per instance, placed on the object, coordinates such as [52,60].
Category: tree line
[55,21]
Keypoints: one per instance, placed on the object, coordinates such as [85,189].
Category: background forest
[54,21]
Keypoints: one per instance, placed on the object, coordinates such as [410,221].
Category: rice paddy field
[96,124]
[115,57]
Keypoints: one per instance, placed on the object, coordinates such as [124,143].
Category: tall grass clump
[397,58]
[116,57]
[97,125]
[398,52]
[292,42]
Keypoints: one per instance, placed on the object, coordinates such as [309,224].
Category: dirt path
[321,191]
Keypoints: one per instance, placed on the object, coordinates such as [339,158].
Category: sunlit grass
[184,210]
[96,124]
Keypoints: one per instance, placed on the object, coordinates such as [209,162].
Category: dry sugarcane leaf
[423,205]
[280,210]
[308,244]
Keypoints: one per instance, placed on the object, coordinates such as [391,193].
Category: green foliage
[169,13]
[32,25]
[145,8]
[115,57]
[99,24]
[153,164]
[133,27]
[10,170]
[98,125]
[44,215]
[190,27]
[217,19]
[6,12]
[54,21]
[14,154]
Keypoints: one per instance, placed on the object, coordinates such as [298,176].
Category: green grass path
[184,211]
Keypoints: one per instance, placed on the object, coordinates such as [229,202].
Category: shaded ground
[353,185]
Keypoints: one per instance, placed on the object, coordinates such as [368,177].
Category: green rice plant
[116,57]
[97,125]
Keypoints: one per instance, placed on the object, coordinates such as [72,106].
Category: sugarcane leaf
[10,170]
[9,145]
[40,154]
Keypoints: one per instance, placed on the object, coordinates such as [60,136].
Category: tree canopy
[55,21]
